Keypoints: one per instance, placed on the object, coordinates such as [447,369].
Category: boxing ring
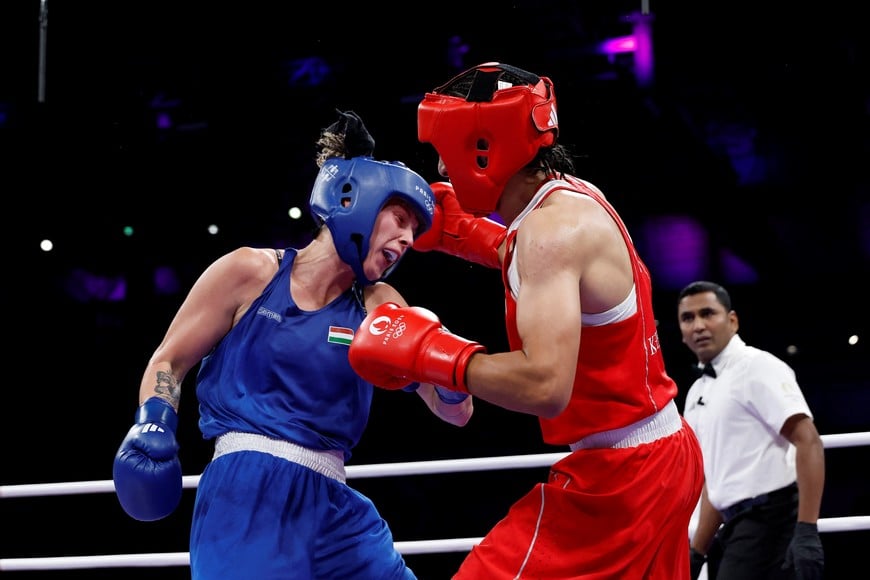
[447,466]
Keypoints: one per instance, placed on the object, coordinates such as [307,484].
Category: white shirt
[737,417]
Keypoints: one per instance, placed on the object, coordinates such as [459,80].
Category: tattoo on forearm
[167,385]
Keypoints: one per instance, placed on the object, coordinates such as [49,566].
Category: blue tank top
[284,373]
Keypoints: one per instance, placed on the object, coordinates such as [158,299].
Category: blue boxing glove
[147,471]
[805,555]
[450,397]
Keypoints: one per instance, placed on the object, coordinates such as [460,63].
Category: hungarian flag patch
[339,335]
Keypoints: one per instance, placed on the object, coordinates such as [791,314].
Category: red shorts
[603,514]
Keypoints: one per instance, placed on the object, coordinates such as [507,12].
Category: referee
[764,463]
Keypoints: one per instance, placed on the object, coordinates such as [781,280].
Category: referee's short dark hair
[700,286]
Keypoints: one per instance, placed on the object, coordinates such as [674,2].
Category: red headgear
[487,123]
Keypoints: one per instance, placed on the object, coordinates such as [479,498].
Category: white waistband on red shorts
[328,463]
[658,425]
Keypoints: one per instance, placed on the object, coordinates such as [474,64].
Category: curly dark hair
[556,159]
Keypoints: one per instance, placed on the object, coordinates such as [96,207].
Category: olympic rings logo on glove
[383,324]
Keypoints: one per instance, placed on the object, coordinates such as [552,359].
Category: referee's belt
[747,504]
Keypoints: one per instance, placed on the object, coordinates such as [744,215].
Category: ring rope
[840,524]
[844,524]
[381,470]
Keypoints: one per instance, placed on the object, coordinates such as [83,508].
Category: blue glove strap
[450,397]
[411,388]
[156,410]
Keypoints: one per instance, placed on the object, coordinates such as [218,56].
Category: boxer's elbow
[551,398]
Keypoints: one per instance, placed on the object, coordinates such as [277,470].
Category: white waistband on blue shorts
[658,425]
[328,463]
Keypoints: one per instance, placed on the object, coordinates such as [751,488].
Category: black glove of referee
[696,562]
[805,554]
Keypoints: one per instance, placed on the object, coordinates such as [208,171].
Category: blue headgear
[348,194]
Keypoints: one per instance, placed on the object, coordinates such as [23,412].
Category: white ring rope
[841,524]
[381,470]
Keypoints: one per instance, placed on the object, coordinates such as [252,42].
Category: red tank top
[621,375]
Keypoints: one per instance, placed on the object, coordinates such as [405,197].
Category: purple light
[118,290]
[638,42]
[85,286]
[164,121]
[735,269]
[643,54]
[307,72]
[675,250]
[618,45]
[165,280]
[456,52]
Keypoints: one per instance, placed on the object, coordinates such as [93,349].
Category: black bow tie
[707,369]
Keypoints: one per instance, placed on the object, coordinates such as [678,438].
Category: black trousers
[752,544]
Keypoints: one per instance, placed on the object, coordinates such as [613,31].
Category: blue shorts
[260,516]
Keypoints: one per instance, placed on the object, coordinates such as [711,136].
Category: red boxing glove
[460,234]
[396,346]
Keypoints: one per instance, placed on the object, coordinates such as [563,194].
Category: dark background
[171,116]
